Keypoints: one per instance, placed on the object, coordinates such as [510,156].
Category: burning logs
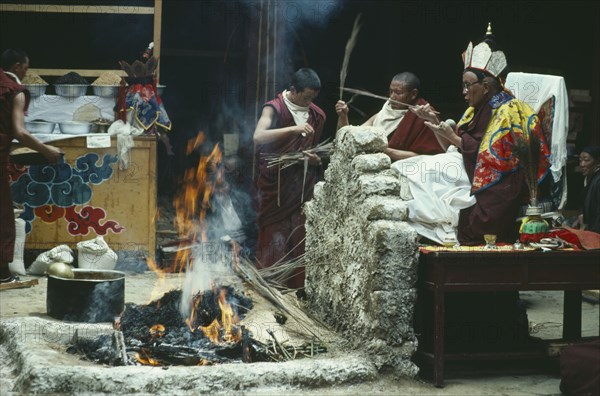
[158,334]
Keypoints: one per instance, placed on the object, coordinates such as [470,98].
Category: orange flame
[229,319]
[204,362]
[146,360]
[231,333]
[157,330]
[190,321]
[190,213]
[212,331]
[162,284]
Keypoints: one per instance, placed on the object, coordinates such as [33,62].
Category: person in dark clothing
[407,134]
[289,123]
[589,162]
[486,135]
[14,100]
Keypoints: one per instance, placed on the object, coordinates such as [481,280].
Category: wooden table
[442,272]
[120,205]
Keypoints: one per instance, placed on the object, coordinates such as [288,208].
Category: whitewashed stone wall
[361,255]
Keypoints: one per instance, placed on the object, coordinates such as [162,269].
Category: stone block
[371,163]
[378,185]
[354,140]
[385,208]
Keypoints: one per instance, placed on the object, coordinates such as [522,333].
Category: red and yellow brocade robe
[488,136]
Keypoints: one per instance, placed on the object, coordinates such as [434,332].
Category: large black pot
[92,296]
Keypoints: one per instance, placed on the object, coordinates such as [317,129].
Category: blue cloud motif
[73,192]
[86,168]
[57,173]
[27,191]
[28,216]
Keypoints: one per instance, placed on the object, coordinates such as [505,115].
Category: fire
[146,360]
[225,331]
[192,319]
[212,331]
[196,183]
[191,204]
[228,319]
[157,330]
[162,284]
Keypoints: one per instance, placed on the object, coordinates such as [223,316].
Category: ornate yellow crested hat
[481,57]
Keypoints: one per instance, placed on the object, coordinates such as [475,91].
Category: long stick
[349,47]
[372,95]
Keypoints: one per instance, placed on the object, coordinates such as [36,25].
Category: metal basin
[92,296]
[75,127]
[42,127]
[36,90]
[70,90]
[106,91]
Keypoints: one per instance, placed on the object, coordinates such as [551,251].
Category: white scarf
[299,113]
[14,76]
[388,118]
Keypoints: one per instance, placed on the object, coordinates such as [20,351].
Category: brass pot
[61,270]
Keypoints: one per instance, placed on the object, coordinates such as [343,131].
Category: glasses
[467,85]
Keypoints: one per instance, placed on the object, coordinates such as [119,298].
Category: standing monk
[288,123]
[408,136]
[14,99]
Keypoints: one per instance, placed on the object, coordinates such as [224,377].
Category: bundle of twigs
[248,272]
[349,47]
[281,272]
[527,150]
[284,160]
[278,351]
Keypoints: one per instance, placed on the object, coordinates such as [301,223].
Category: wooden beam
[77,9]
[157,33]
[201,53]
[81,72]
[18,284]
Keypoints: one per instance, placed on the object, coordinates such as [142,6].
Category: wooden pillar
[268,66]
[595,124]
[157,33]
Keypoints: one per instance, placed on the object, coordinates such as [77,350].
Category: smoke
[208,269]
[297,13]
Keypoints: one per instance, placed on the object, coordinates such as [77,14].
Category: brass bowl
[61,270]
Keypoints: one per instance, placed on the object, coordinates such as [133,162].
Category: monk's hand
[425,112]
[52,154]
[305,130]
[440,128]
[341,108]
[313,159]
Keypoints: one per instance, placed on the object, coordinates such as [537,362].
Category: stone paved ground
[544,310]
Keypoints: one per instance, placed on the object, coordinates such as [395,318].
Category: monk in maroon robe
[407,134]
[288,123]
[14,100]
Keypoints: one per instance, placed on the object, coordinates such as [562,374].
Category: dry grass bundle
[284,160]
[348,51]
[250,274]
[279,273]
